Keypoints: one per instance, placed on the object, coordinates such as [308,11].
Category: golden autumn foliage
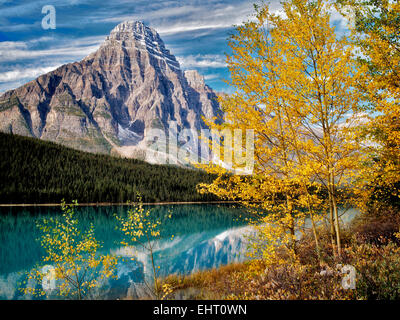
[294,84]
[139,229]
[324,112]
[74,265]
[375,31]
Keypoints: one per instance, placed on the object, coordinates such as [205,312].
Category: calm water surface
[205,236]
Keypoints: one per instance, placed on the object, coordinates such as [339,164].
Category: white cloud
[187,18]
[202,61]
[156,14]
[17,27]
[76,49]
[10,45]
[179,28]
[167,17]
[212,76]
[68,50]
[19,74]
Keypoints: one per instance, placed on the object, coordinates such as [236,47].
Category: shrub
[378,271]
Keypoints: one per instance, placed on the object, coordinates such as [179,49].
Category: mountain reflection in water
[205,236]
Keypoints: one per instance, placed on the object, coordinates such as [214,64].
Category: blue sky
[195,31]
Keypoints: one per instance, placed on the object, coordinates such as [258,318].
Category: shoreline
[103,204]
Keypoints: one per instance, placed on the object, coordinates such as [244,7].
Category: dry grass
[370,244]
[207,284]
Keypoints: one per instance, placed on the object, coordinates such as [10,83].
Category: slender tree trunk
[332,224]
[78,284]
[154,274]
[79,292]
[293,234]
[314,228]
[336,215]
[337,228]
[292,230]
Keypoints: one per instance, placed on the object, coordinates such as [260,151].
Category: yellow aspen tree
[139,229]
[375,27]
[72,255]
[319,88]
[294,84]
[255,105]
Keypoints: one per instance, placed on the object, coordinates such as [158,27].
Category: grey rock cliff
[106,102]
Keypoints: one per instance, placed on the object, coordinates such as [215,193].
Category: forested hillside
[35,171]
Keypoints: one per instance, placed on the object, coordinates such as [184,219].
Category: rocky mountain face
[107,102]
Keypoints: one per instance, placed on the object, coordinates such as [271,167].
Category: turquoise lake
[205,236]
